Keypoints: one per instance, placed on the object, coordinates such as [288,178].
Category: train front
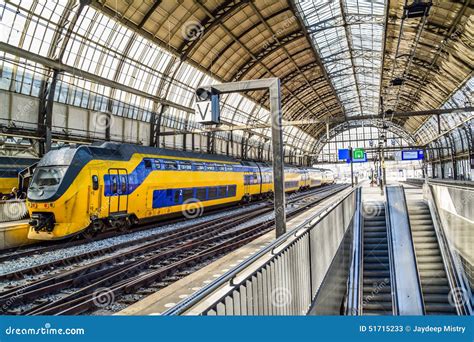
[55,195]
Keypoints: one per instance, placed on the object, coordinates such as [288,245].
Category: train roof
[16,162]
[125,152]
[114,151]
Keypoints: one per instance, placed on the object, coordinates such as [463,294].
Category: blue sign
[412,155]
[343,154]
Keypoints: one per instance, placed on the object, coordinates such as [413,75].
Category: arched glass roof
[335,60]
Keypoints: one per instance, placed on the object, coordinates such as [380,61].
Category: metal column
[45,112]
[278,173]
[273,84]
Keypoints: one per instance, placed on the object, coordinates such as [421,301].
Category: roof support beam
[48,62]
[212,20]
[329,120]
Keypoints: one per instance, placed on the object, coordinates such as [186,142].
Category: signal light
[207,105]
[417,9]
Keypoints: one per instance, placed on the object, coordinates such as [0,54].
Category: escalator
[376,292]
[434,282]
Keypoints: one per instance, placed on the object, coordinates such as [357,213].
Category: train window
[188,194]
[177,194]
[231,190]
[199,167]
[212,193]
[201,194]
[221,191]
[123,184]
[148,164]
[171,165]
[229,168]
[114,184]
[48,176]
[220,167]
[157,164]
[95,182]
[210,167]
[169,195]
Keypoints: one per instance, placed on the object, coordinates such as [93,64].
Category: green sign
[358,153]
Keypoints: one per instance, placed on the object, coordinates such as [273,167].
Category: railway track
[48,246]
[153,263]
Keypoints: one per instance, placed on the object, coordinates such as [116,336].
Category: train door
[118,183]
[260,176]
[247,181]
[95,193]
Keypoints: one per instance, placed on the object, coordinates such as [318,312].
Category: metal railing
[355,284]
[285,277]
[13,210]
[453,217]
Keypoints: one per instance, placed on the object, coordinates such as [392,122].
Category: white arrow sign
[204,114]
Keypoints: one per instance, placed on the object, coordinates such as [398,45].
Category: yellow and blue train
[10,169]
[88,189]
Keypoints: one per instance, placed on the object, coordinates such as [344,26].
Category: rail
[447,182]
[285,277]
[13,210]
[452,210]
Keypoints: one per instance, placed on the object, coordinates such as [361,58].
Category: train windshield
[48,176]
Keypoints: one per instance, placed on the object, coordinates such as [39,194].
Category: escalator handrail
[354,302]
[414,252]
[393,283]
[451,262]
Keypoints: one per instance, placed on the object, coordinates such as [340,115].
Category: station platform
[169,296]
[14,234]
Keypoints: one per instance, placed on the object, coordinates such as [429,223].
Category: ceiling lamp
[417,9]
[397,81]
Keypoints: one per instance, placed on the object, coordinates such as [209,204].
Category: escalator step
[432,274]
[434,281]
[375,266]
[429,259]
[380,288]
[378,306]
[428,245]
[422,233]
[376,297]
[436,298]
[376,260]
[425,239]
[440,308]
[432,266]
[435,289]
[376,282]
[375,234]
[427,252]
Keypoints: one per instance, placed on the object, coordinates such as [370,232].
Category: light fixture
[417,9]
[397,81]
